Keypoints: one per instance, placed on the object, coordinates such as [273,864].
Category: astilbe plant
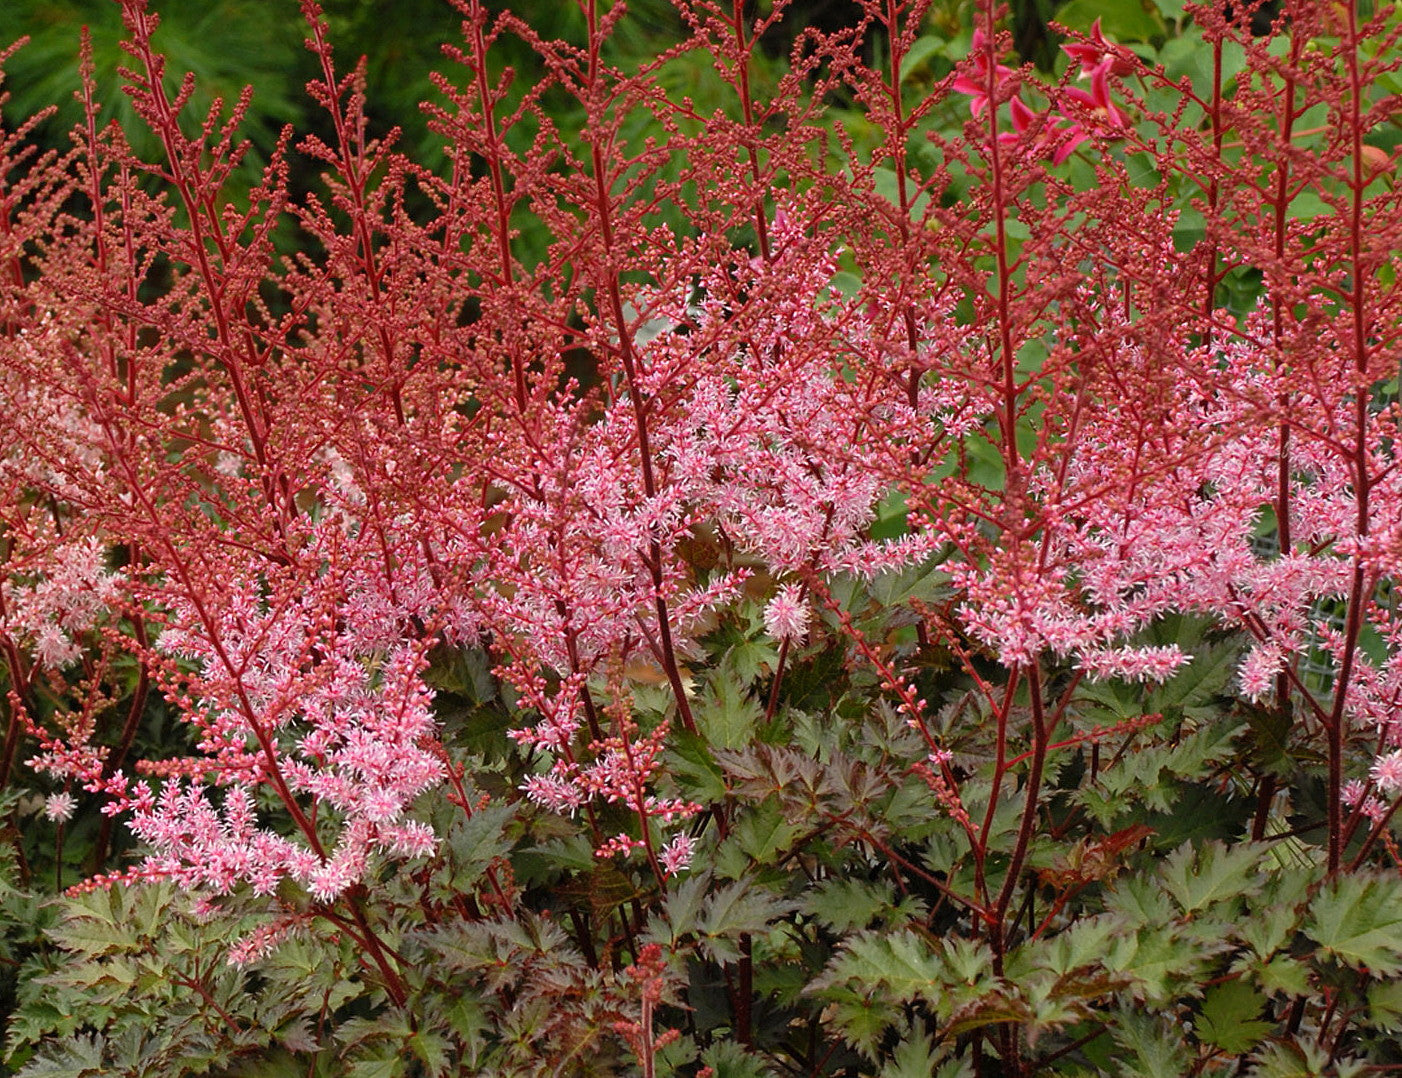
[842,601]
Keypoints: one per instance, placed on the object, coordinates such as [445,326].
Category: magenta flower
[976,83]
[1109,119]
[1097,52]
[1053,141]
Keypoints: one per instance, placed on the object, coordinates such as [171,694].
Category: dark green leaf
[1230,1017]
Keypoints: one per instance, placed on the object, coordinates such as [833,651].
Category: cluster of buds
[1054,134]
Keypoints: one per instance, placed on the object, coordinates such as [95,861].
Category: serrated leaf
[1158,959]
[844,905]
[91,934]
[901,962]
[433,1050]
[751,658]
[733,911]
[951,974]
[70,1058]
[729,1060]
[1276,915]
[478,840]
[1230,1017]
[1199,814]
[1358,920]
[297,1035]
[376,1068]
[991,1009]
[1193,689]
[682,910]
[695,768]
[1198,878]
[570,853]
[466,672]
[763,833]
[467,1018]
[1292,1059]
[1284,975]
[967,960]
[928,582]
[1385,1005]
[1156,1050]
[1084,943]
[1140,901]
[914,1057]
[726,714]
[863,1020]
[1270,730]
[1195,755]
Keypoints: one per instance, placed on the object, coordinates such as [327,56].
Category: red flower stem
[233,355]
[747,109]
[896,144]
[1032,790]
[1361,585]
[1265,794]
[19,687]
[603,209]
[1209,299]
[492,153]
[1000,763]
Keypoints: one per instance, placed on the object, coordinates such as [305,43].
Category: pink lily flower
[1066,140]
[975,83]
[1054,142]
[1107,116]
[1092,54]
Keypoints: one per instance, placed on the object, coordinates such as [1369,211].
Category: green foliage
[1358,921]
[1230,1018]
[145,989]
[227,44]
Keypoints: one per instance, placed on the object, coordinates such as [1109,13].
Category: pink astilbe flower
[559,791]
[260,942]
[786,615]
[59,807]
[198,846]
[1355,795]
[1387,773]
[676,856]
[767,435]
[620,845]
[75,591]
[1259,668]
[351,723]
[1154,664]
